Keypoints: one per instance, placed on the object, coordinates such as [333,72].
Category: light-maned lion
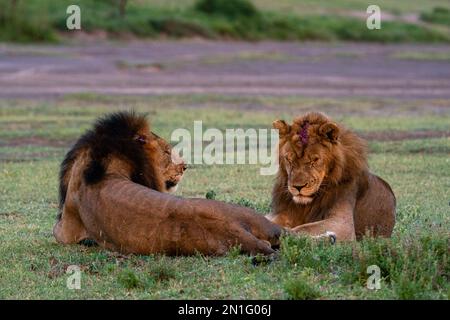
[113,186]
[324,185]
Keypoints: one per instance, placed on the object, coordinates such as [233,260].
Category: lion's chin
[172,189]
[302,199]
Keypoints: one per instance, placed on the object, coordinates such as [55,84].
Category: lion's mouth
[171,186]
[173,183]
[300,199]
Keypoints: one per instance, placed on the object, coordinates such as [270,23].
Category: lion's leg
[325,228]
[340,223]
[69,229]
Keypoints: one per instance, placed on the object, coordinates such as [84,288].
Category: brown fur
[324,184]
[112,189]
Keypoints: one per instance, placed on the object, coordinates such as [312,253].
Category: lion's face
[169,166]
[305,172]
[170,163]
[306,154]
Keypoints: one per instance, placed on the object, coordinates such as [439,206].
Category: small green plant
[128,279]
[211,194]
[301,288]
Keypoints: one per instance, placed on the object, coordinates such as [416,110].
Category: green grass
[316,6]
[34,136]
[300,288]
[43,20]
[439,15]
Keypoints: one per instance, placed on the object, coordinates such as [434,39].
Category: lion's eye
[315,159]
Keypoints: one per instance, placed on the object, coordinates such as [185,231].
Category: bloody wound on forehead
[303,133]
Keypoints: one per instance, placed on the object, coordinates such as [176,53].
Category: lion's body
[341,195]
[375,210]
[113,186]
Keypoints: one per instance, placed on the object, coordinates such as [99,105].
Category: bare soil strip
[202,67]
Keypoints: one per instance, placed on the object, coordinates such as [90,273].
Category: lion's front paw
[329,234]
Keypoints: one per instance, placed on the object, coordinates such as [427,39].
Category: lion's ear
[282,126]
[330,131]
[141,138]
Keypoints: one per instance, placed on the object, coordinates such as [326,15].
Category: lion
[323,185]
[114,190]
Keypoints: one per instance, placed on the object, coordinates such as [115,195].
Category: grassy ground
[34,135]
[42,20]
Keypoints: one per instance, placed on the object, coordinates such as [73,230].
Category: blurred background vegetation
[402,20]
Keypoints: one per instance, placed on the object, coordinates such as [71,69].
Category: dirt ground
[198,67]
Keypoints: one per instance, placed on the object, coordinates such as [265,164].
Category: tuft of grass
[162,272]
[234,252]
[130,280]
[301,288]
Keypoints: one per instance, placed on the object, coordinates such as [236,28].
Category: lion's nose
[299,187]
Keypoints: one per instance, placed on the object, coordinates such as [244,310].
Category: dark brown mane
[117,134]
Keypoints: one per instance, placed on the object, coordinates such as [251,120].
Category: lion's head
[314,153]
[170,164]
[122,143]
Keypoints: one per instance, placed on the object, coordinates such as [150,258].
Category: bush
[227,8]
[439,15]
[211,194]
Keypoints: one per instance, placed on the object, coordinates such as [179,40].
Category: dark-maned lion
[324,185]
[112,190]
